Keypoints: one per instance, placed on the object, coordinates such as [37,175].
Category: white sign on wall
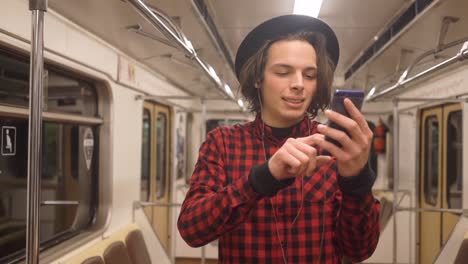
[8,141]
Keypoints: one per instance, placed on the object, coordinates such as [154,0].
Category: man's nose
[297,81]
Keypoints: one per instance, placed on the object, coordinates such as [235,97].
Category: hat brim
[282,26]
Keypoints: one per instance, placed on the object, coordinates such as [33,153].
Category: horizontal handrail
[181,42]
[139,204]
[435,210]
[461,55]
[60,203]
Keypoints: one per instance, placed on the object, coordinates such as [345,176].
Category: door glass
[161,125]
[431,180]
[145,156]
[454,160]
[65,177]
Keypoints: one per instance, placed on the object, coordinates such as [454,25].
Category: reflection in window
[64,93]
[454,160]
[65,176]
[431,179]
[69,95]
[161,127]
[145,156]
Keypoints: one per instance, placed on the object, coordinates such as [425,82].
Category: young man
[262,188]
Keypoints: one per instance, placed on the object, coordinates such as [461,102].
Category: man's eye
[282,73]
[311,76]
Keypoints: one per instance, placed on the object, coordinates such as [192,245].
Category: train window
[454,160]
[70,95]
[64,93]
[67,175]
[431,180]
[69,155]
[146,154]
[161,128]
[213,123]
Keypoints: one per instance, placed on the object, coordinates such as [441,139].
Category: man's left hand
[354,153]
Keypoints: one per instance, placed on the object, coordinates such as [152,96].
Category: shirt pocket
[319,189]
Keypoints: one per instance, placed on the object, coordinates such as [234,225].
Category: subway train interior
[130,88]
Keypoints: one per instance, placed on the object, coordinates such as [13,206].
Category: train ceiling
[356,22]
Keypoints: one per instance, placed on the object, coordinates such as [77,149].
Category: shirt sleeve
[263,181]
[213,206]
[358,218]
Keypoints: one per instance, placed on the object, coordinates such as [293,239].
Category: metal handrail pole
[396,127]
[430,52]
[60,203]
[148,14]
[156,204]
[38,7]
[435,210]
[463,54]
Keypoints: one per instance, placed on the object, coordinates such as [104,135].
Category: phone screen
[337,105]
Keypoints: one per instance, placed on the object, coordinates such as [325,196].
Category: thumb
[321,160]
[311,140]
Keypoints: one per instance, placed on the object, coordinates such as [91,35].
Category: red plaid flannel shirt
[222,203]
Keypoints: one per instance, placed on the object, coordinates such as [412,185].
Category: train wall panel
[126,150]
[59,35]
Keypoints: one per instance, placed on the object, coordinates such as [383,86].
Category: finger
[310,151]
[357,116]
[348,124]
[297,150]
[337,135]
[306,140]
[292,164]
[322,160]
[307,149]
[298,155]
[334,150]
[312,164]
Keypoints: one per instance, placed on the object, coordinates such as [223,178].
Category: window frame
[67,239]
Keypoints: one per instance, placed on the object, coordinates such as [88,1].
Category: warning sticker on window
[88,146]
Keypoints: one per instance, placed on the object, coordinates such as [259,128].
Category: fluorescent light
[371,92]
[228,90]
[307,7]
[214,75]
[240,103]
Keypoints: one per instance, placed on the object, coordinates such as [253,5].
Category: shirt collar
[300,129]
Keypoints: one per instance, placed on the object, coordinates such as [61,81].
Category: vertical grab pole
[203,138]
[37,7]
[396,127]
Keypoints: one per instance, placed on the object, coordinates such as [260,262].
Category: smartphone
[337,105]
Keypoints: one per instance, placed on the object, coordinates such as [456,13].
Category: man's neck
[275,123]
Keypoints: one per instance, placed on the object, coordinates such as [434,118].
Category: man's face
[290,81]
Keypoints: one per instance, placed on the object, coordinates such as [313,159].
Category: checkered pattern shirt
[223,204]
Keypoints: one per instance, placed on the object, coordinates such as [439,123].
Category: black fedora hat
[280,26]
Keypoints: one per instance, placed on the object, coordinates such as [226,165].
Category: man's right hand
[296,158]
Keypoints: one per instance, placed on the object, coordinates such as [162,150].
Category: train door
[155,176]
[440,178]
